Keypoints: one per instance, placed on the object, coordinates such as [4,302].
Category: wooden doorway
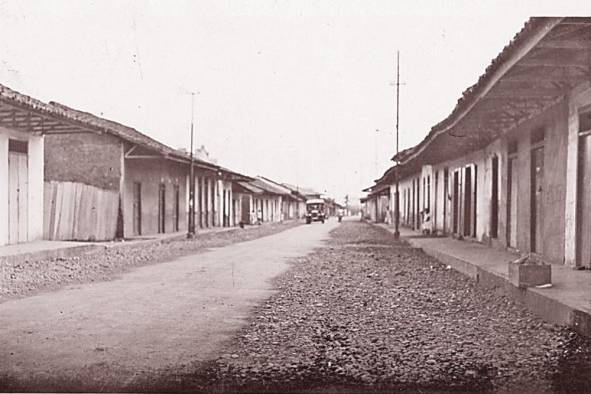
[445,200]
[413,205]
[456,203]
[418,216]
[512,189]
[537,197]
[584,201]
[224,209]
[467,201]
[18,193]
[494,198]
[199,202]
[162,208]
[137,208]
[245,209]
[176,208]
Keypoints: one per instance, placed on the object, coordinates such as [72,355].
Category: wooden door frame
[137,208]
[18,155]
[494,207]
[467,194]
[455,202]
[161,208]
[445,198]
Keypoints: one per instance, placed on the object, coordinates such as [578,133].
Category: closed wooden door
[494,200]
[418,216]
[18,195]
[445,200]
[512,199]
[137,208]
[584,202]
[456,202]
[537,177]
[245,210]
[467,201]
[176,209]
[162,208]
[224,209]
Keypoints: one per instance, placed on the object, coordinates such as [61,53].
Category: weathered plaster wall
[151,173]
[578,99]
[554,122]
[91,159]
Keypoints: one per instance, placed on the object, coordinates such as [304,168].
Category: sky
[291,90]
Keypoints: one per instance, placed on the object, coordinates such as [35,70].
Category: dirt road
[115,335]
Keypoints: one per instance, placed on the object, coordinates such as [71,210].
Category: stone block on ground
[528,272]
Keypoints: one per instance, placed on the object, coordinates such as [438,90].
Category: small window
[18,146]
[585,121]
[537,136]
[512,147]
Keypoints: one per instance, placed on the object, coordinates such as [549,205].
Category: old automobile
[315,210]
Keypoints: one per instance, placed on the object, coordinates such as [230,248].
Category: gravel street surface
[358,312]
[25,279]
[367,314]
[120,335]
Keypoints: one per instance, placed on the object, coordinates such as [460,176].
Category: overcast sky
[292,90]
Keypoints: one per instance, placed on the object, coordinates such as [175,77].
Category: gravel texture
[31,277]
[368,314]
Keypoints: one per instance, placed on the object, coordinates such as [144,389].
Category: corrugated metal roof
[248,186]
[269,187]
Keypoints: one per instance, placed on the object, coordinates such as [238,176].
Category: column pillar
[576,99]
[35,188]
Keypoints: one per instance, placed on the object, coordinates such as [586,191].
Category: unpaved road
[112,336]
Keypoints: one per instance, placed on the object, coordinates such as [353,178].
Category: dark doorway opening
[445,199]
[224,208]
[418,217]
[456,202]
[161,208]
[176,208]
[137,208]
[467,201]
[494,202]
[537,176]
[206,202]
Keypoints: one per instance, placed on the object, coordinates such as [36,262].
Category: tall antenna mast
[397,196]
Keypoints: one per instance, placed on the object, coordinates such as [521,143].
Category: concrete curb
[50,254]
[93,247]
[545,307]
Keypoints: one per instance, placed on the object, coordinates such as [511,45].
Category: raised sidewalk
[45,250]
[567,302]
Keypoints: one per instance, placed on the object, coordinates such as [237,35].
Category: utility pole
[396,177]
[191,232]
